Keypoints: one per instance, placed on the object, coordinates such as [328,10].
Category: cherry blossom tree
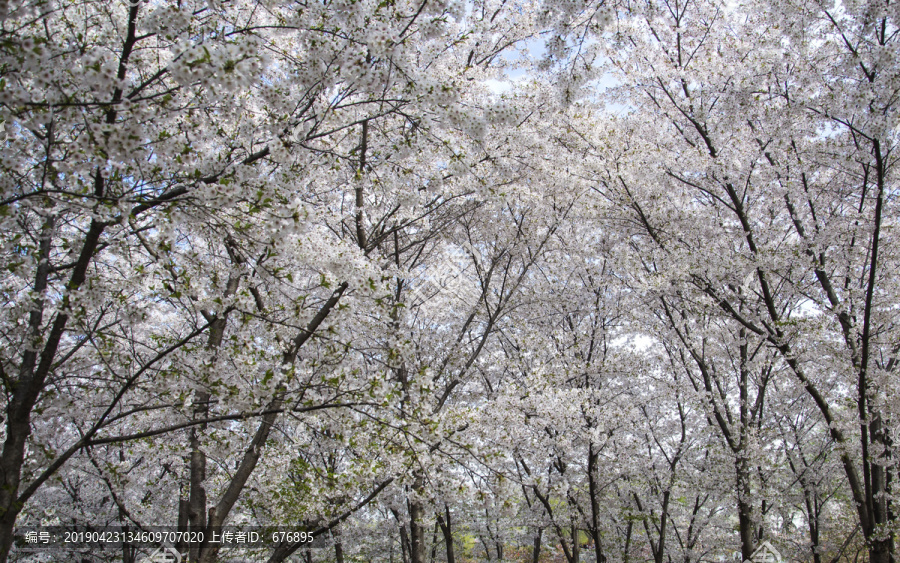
[168,200]
[372,269]
[755,186]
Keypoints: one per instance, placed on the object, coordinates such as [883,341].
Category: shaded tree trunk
[338,546]
[595,504]
[404,537]
[745,508]
[536,546]
[447,530]
[576,545]
[434,541]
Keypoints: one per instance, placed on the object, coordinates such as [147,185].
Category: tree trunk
[338,546]
[576,545]
[663,520]
[745,509]
[416,531]
[487,548]
[196,503]
[536,549]
[434,541]
[404,538]
[197,509]
[447,530]
[182,524]
[595,505]
[880,551]
[209,552]
[417,523]
[626,553]
[812,517]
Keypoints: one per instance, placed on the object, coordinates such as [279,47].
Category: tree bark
[196,504]
[536,547]
[417,529]
[745,509]
[404,537]
[434,541]
[626,550]
[338,546]
[595,504]
[446,528]
[576,545]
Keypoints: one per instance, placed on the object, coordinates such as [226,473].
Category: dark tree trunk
[181,546]
[487,548]
[745,508]
[576,545]
[434,541]
[626,553]
[196,503]
[447,530]
[536,548]
[404,537]
[338,546]
[595,505]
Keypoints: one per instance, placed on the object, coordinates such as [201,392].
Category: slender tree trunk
[338,546]
[813,508]
[745,508]
[434,541]
[691,536]
[626,553]
[404,544]
[447,530]
[404,538]
[536,547]
[196,503]
[663,521]
[182,523]
[576,545]
[881,548]
[561,532]
[487,548]
[197,509]
[218,514]
[657,546]
[595,505]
